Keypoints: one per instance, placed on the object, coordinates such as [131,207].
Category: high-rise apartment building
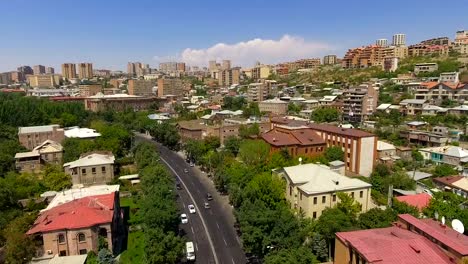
[170,86]
[141,87]
[229,77]
[399,40]
[381,42]
[364,57]
[50,70]
[226,65]
[359,103]
[135,69]
[461,37]
[257,92]
[69,70]
[5,77]
[25,70]
[261,71]
[181,67]
[44,80]
[436,41]
[85,70]
[400,52]
[39,69]
[212,65]
[329,60]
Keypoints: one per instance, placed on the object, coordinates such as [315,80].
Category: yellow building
[261,72]
[69,70]
[44,80]
[311,188]
[85,70]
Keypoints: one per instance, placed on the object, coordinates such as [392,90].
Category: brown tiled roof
[448,180]
[341,131]
[303,137]
[451,85]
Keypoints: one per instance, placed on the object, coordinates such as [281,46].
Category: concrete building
[170,86]
[311,188]
[25,70]
[261,71]
[69,71]
[423,138]
[451,155]
[50,70]
[257,92]
[49,152]
[427,50]
[359,103]
[400,52]
[409,240]
[44,80]
[381,42]
[33,136]
[75,227]
[141,87]
[435,92]
[461,37]
[85,70]
[390,64]
[412,106]
[117,102]
[91,169]
[39,69]
[386,152]
[437,41]
[87,90]
[226,65]
[360,147]
[329,60]
[135,69]
[425,67]
[229,77]
[454,184]
[364,57]
[274,106]
[452,77]
[399,40]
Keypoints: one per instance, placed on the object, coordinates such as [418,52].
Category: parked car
[178,186]
[183,218]
[191,164]
[207,205]
[209,197]
[185,170]
[191,208]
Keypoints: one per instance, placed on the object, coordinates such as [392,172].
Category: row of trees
[158,209]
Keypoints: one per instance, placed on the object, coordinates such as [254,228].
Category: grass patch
[135,252]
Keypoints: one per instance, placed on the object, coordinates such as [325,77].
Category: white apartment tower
[399,40]
[381,42]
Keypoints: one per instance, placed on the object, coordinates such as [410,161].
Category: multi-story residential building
[44,80]
[359,103]
[25,70]
[226,65]
[425,67]
[400,52]
[135,69]
[424,138]
[77,222]
[390,64]
[461,37]
[168,67]
[33,136]
[459,110]
[85,70]
[451,77]
[141,87]
[5,78]
[229,77]
[329,60]
[49,152]
[117,102]
[436,41]
[300,141]
[261,71]
[91,169]
[16,76]
[364,57]
[399,40]
[39,69]
[69,71]
[360,147]
[311,188]
[455,184]
[451,155]
[170,86]
[409,240]
[50,70]
[427,50]
[257,92]
[412,106]
[87,90]
[274,106]
[435,92]
[381,42]
[386,152]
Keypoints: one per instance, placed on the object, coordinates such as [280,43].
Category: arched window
[61,238]
[81,237]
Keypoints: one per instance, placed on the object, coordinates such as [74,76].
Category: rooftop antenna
[443,220]
[300,160]
[458,226]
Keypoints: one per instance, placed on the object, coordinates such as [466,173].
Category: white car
[183,218]
[191,209]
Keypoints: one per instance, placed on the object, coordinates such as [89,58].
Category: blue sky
[111,33]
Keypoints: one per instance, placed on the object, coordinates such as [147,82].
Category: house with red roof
[420,200]
[75,227]
[410,240]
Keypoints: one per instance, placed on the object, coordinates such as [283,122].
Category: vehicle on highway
[190,251]
[207,205]
[191,164]
[209,197]
[185,170]
[178,186]
[191,208]
[183,218]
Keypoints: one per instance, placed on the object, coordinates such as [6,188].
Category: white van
[190,251]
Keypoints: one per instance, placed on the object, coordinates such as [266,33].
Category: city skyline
[104,36]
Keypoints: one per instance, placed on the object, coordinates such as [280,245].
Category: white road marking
[233,262]
[196,246]
[193,232]
[225,241]
[195,204]
[183,204]
[217,225]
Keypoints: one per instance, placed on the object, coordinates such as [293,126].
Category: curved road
[212,229]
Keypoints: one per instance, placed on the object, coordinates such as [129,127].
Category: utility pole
[390,195]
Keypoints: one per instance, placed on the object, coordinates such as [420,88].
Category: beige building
[69,71]
[49,152]
[329,60]
[39,69]
[400,52]
[85,70]
[261,72]
[141,87]
[311,188]
[87,90]
[170,86]
[118,102]
[44,80]
[425,67]
[91,169]
[257,92]
[229,77]
[274,106]
[31,137]
[359,103]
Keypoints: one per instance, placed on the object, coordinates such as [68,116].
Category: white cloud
[246,53]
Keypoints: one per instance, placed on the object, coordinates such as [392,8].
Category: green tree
[105,257]
[334,220]
[254,152]
[319,247]
[404,208]
[376,218]
[19,248]
[291,256]
[334,153]
[232,144]
[449,205]
[348,205]
[321,115]
[55,179]
[163,248]
[444,170]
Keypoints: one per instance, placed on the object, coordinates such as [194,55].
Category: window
[83,171]
[83,252]
[315,200]
[62,253]
[61,238]
[290,190]
[103,169]
[361,194]
[314,215]
[306,150]
[81,237]
[324,199]
[300,196]
[334,197]
[93,170]
[352,194]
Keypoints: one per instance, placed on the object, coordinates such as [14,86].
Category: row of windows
[81,238]
[324,198]
[93,170]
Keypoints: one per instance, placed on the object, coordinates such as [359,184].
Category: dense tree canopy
[321,115]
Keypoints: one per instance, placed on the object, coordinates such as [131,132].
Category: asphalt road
[212,229]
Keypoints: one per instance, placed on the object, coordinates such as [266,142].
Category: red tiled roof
[393,245]
[304,137]
[448,180]
[419,200]
[80,213]
[451,85]
[441,233]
